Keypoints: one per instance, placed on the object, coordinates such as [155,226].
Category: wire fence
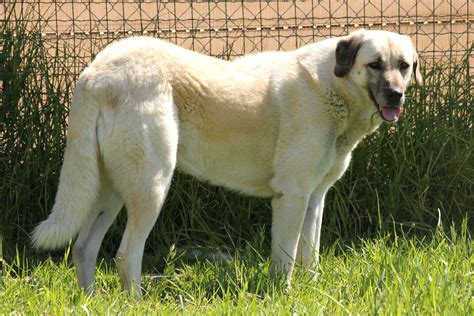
[45,44]
[80,29]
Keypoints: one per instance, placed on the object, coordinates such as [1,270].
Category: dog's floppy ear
[416,70]
[346,52]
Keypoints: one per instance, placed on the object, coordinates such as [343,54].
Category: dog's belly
[240,162]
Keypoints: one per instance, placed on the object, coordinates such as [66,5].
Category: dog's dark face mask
[385,67]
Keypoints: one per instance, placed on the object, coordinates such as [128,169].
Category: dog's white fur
[275,124]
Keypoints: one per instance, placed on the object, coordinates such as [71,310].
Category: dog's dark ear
[346,52]
[416,70]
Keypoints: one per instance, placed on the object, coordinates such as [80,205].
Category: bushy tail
[79,180]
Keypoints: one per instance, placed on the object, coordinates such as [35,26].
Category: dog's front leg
[288,215]
[308,246]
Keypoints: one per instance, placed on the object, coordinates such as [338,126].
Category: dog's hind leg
[87,245]
[140,158]
[143,201]
[143,210]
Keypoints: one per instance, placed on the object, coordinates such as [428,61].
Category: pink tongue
[390,114]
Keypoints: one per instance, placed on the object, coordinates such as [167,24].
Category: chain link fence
[45,44]
[80,29]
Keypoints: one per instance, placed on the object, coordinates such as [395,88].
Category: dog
[271,124]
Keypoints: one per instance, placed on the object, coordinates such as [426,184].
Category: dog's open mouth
[388,113]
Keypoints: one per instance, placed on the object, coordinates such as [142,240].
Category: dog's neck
[362,117]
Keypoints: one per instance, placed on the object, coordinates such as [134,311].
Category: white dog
[275,124]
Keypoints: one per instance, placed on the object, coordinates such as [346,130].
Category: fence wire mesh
[80,29]
[45,44]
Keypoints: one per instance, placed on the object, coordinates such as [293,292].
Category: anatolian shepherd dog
[273,124]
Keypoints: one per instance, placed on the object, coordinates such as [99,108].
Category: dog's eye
[375,65]
[404,65]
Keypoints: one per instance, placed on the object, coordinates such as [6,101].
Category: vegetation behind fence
[410,175]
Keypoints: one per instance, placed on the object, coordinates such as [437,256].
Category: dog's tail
[79,180]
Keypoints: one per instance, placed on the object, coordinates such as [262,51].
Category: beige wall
[234,28]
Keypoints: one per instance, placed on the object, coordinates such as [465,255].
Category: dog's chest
[337,110]
[356,129]
[351,121]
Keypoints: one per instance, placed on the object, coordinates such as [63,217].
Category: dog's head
[382,63]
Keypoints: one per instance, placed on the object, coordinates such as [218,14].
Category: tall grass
[33,118]
[409,175]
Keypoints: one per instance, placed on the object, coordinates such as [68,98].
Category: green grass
[385,275]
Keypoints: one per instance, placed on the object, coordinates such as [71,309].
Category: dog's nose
[393,96]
